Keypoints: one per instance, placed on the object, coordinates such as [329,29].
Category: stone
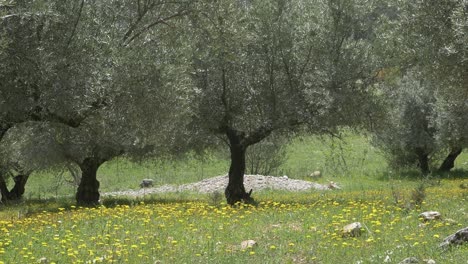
[43,260]
[458,238]
[315,174]
[387,259]
[429,261]
[285,177]
[248,244]
[332,185]
[430,215]
[145,183]
[352,230]
[409,260]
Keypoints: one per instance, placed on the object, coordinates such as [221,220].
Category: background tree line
[82,82]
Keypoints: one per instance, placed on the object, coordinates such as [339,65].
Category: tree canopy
[85,82]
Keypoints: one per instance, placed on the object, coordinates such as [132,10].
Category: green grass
[123,174]
[352,162]
[302,227]
[288,227]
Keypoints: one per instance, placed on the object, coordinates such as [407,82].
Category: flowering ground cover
[288,228]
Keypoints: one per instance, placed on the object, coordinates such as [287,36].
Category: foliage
[266,157]
[407,130]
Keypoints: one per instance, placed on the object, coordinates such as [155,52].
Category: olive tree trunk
[235,190]
[4,189]
[88,190]
[16,193]
[423,161]
[449,161]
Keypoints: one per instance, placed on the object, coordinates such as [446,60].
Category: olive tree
[264,66]
[105,74]
[429,37]
[407,133]
[47,71]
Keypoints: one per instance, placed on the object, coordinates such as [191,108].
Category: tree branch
[257,135]
[76,23]
[157,22]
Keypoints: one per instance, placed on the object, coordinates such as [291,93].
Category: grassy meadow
[302,227]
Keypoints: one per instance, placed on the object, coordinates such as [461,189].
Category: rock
[285,177]
[387,259]
[218,183]
[430,215]
[145,183]
[409,260]
[315,174]
[458,238]
[248,244]
[333,185]
[353,229]
[429,261]
[43,260]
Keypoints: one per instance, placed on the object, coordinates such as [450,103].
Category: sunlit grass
[289,228]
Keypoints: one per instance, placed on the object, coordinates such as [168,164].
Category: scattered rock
[430,215]
[333,185]
[285,177]
[409,260]
[315,174]
[458,238]
[429,261]
[248,244]
[145,183]
[352,230]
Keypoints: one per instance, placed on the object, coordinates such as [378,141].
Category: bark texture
[88,190]
[423,161]
[449,161]
[16,193]
[235,191]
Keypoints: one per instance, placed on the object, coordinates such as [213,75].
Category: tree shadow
[414,175]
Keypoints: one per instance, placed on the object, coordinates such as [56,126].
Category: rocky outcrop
[219,183]
[458,238]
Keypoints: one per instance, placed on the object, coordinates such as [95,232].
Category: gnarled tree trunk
[235,190]
[16,193]
[423,161]
[4,189]
[449,161]
[88,190]
[18,189]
